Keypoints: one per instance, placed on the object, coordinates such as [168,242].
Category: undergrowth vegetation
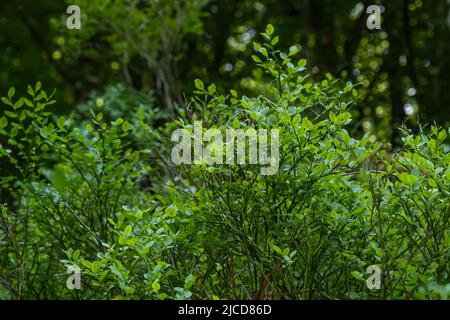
[97,189]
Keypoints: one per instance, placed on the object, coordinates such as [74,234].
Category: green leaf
[333,117]
[76,254]
[126,126]
[30,90]
[432,183]
[41,95]
[5,100]
[275,40]
[18,104]
[38,86]
[199,84]
[27,102]
[358,275]
[171,212]
[256,59]
[11,114]
[256,46]
[276,248]
[408,179]
[87,264]
[212,89]
[156,286]
[61,121]
[447,175]
[189,281]
[3,122]
[11,92]
[293,50]
[264,52]
[270,29]
[302,63]
[103,275]
[348,87]
[234,93]
[118,122]
[442,135]
[266,36]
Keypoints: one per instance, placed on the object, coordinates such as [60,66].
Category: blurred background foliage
[158,47]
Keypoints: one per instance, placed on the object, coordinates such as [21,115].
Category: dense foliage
[97,189]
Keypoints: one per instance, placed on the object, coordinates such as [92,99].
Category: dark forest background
[402,70]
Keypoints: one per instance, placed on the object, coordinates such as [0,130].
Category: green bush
[101,193]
